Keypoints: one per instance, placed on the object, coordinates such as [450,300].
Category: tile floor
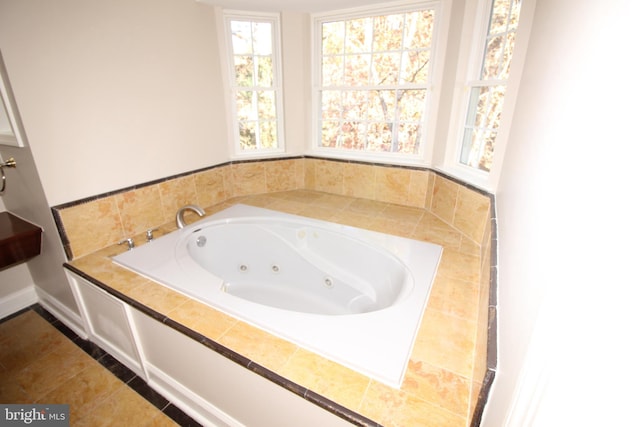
[42,361]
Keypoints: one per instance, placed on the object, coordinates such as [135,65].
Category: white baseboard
[72,320]
[17,301]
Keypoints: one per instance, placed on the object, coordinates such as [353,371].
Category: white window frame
[437,62]
[477,16]
[274,20]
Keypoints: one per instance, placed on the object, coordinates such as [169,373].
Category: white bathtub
[351,295]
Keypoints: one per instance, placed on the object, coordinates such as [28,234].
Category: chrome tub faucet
[180,215]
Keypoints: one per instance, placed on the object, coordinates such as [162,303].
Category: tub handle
[11,163]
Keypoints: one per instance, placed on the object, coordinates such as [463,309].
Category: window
[253,45]
[373,79]
[487,92]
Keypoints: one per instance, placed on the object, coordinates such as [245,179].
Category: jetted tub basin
[351,295]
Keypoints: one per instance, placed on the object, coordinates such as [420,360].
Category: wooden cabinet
[19,240]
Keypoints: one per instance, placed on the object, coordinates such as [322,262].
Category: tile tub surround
[449,361]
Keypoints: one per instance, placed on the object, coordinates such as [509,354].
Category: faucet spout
[180,215]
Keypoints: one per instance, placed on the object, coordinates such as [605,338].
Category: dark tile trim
[123,373]
[483,397]
[326,404]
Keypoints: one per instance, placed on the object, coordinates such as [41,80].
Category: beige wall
[568,224]
[114,93]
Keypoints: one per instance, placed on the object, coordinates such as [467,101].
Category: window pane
[515,14]
[409,138]
[330,134]
[415,67]
[483,121]
[418,29]
[478,149]
[358,35]
[331,104]
[353,135]
[261,36]
[354,104]
[387,32]
[265,71]
[411,104]
[382,105]
[268,135]
[244,70]
[241,37]
[386,68]
[248,136]
[499,16]
[357,70]
[245,105]
[332,74]
[266,105]
[333,38]
[379,137]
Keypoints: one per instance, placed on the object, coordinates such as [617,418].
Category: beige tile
[432,229]
[140,209]
[248,178]
[158,297]
[367,207]
[455,297]
[395,408]
[161,420]
[202,318]
[446,341]
[25,339]
[280,175]
[336,382]
[10,389]
[52,369]
[459,265]
[402,228]
[300,173]
[103,269]
[359,180]
[310,174]
[445,195]
[123,408]
[333,201]
[329,176]
[93,225]
[471,214]
[177,193]
[418,188]
[468,246]
[438,386]
[259,346]
[83,391]
[392,185]
[430,187]
[211,186]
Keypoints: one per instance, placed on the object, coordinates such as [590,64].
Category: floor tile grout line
[176,414]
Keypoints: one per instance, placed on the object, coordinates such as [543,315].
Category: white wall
[568,224]
[114,93]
